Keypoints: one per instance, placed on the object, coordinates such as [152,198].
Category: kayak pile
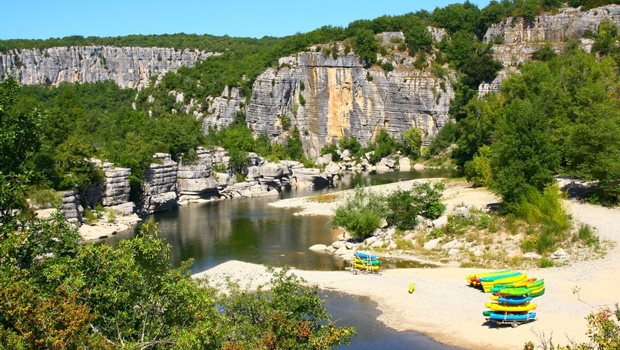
[512,293]
[365,262]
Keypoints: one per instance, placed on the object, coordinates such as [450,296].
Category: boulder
[319,248]
[432,244]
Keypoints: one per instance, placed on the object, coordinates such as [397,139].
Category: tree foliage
[423,200]
[361,214]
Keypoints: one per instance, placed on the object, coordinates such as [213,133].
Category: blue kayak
[365,256]
[514,300]
[503,316]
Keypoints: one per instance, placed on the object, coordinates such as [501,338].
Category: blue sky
[41,19]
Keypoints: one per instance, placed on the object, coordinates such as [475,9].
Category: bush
[412,141]
[43,196]
[545,212]
[405,206]
[478,170]
[387,66]
[361,214]
[331,149]
[586,235]
[350,143]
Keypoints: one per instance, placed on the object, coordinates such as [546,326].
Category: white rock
[532,255]
[350,245]
[452,244]
[378,244]
[383,223]
[341,251]
[404,164]
[338,244]
[432,244]
[318,248]
[453,252]
[392,245]
[370,240]
[440,222]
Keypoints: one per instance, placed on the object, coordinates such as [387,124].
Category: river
[250,230]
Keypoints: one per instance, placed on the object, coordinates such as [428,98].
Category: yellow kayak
[366,267]
[511,308]
[488,285]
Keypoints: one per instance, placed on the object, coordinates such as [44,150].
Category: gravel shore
[443,307]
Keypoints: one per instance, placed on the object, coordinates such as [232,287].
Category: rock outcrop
[71,207]
[159,191]
[129,67]
[194,180]
[516,38]
[116,190]
[328,97]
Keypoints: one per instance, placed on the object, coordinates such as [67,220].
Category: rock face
[129,67]
[194,180]
[521,37]
[327,98]
[568,23]
[71,207]
[116,190]
[222,109]
[159,191]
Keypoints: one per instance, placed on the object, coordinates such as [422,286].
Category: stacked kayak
[366,262]
[511,301]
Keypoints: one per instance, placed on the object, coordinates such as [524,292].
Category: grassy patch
[587,236]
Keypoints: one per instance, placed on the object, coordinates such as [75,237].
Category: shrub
[387,66]
[331,149]
[361,214]
[478,170]
[412,141]
[111,216]
[586,235]
[90,217]
[43,196]
[405,206]
[545,262]
[350,143]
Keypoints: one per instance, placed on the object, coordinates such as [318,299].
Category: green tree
[365,46]
[19,132]
[523,154]
[606,38]
[404,207]
[361,214]
[418,39]
[412,141]
[478,170]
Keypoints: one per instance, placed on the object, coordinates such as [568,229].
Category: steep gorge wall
[129,67]
[521,37]
[327,98]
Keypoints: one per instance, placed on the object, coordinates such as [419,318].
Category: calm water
[249,230]
[362,313]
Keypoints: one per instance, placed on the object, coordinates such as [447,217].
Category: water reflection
[250,230]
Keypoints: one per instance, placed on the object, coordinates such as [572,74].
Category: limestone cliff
[516,38]
[329,97]
[129,67]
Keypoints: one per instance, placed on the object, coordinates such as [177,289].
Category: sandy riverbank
[444,308]
[456,192]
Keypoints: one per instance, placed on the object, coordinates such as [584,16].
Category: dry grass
[324,198]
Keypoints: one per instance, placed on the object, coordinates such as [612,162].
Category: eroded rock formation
[327,98]
[515,39]
[129,67]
